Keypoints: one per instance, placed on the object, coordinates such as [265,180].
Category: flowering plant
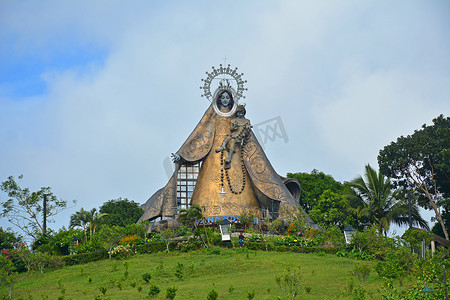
[130,240]
[121,251]
[79,248]
[5,253]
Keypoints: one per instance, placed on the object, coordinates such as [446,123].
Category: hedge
[82,258]
[290,248]
[154,247]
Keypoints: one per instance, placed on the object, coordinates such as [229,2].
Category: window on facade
[186,179]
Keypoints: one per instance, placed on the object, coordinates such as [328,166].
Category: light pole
[45,214]
[409,207]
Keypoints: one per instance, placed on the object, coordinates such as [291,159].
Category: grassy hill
[230,272]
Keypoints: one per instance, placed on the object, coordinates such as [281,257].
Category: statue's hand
[175,157]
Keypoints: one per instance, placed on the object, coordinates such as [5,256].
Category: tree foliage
[110,237]
[8,275]
[24,208]
[374,198]
[192,217]
[120,212]
[289,281]
[8,239]
[84,218]
[332,210]
[421,162]
[313,185]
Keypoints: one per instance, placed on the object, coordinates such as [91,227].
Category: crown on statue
[224,84]
[241,107]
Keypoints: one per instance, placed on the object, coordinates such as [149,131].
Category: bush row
[153,247]
[82,258]
[290,248]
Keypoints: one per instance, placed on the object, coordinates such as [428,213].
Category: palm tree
[80,219]
[94,220]
[191,217]
[372,197]
[84,218]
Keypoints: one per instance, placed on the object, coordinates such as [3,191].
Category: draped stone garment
[264,188]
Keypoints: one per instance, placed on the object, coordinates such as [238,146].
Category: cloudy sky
[95,95]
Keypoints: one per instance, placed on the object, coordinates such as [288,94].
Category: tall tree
[375,199]
[192,217]
[331,210]
[421,162]
[313,185]
[95,218]
[80,219]
[24,208]
[84,218]
[110,236]
[121,212]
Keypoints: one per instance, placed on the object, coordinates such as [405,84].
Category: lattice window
[186,180]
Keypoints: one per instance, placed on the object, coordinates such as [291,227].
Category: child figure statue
[240,128]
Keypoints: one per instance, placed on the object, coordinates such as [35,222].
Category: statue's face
[240,114]
[225,99]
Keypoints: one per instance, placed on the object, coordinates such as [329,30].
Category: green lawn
[326,275]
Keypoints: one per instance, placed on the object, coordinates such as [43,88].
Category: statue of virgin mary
[222,167]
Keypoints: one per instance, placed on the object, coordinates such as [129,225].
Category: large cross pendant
[223,195]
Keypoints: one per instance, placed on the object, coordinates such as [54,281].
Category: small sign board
[225,230]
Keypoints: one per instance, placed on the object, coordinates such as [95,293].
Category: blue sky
[94,96]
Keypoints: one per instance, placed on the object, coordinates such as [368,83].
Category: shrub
[212,251]
[85,257]
[336,237]
[154,290]
[398,264]
[147,277]
[41,260]
[171,292]
[250,294]
[372,242]
[56,262]
[131,240]
[7,275]
[183,230]
[122,252]
[290,248]
[152,247]
[212,295]
[57,243]
[415,238]
[316,235]
[179,270]
[103,289]
[230,289]
[362,271]
[289,281]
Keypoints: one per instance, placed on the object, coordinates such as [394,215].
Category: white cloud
[346,79]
